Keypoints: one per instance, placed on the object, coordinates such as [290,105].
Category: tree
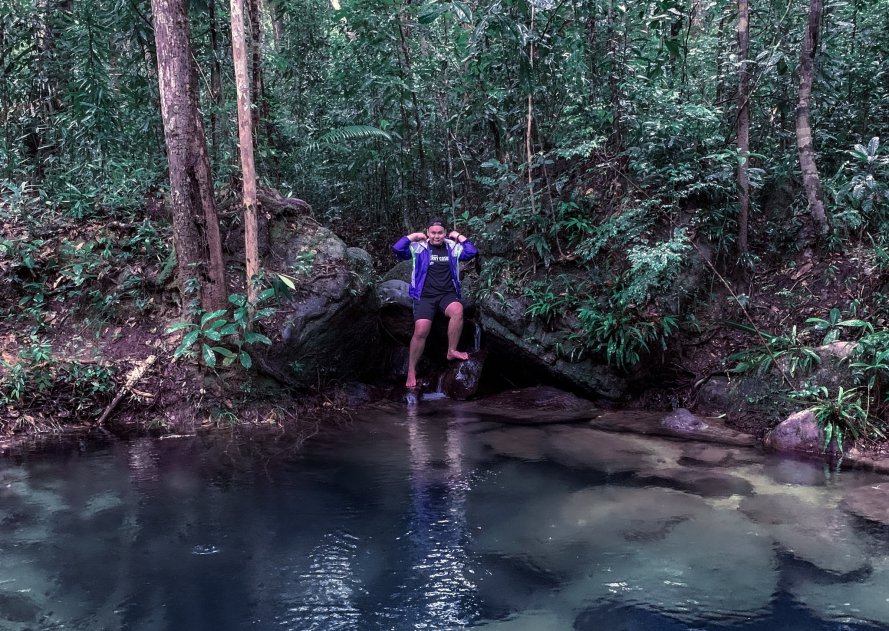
[245,139]
[195,222]
[743,124]
[816,227]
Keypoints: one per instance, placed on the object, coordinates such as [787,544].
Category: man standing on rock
[435,286]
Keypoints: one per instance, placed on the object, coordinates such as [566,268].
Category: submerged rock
[701,482]
[870,502]
[716,565]
[815,533]
[537,405]
[581,447]
[863,600]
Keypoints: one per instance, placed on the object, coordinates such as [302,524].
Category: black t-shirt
[438,277]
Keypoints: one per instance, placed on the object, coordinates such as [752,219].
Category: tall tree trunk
[614,67]
[421,154]
[816,227]
[245,138]
[259,112]
[195,223]
[743,123]
[215,79]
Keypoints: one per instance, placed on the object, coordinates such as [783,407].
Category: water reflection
[439,483]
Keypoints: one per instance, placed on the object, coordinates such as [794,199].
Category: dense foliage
[589,145]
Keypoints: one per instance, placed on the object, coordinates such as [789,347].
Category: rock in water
[682,420]
[462,378]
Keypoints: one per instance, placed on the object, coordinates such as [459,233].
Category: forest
[683,193]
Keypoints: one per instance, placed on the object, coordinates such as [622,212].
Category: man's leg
[454,311]
[418,343]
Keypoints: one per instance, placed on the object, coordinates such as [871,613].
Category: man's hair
[435,221]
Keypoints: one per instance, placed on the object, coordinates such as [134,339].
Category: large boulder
[799,432]
[327,329]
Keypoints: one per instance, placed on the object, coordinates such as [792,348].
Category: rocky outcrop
[327,328]
[530,344]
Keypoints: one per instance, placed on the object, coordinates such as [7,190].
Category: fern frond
[350,133]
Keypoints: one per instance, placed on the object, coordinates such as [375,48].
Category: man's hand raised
[417,236]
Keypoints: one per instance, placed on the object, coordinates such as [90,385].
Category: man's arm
[469,250]
[402,247]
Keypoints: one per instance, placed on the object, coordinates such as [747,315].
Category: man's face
[436,234]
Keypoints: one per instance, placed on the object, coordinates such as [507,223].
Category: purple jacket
[419,251]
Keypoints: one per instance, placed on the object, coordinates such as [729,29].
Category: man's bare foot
[458,355]
[411,380]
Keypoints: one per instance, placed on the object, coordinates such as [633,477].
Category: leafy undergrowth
[88,305]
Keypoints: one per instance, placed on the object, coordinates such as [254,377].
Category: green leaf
[212,315]
[213,335]
[431,12]
[462,11]
[266,294]
[221,350]
[239,300]
[190,338]
[246,362]
[179,325]
[209,356]
[229,329]
[287,281]
[251,337]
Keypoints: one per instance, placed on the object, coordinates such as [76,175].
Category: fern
[342,135]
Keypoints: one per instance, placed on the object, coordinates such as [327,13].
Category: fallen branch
[133,378]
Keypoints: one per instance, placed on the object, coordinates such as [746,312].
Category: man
[435,286]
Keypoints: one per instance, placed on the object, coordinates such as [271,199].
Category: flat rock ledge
[683,425]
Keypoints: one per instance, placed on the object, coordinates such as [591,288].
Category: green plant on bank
[551,298]
[840,414]
[793,350]
[849,412]
[870,367]
[623,337]
[39,376]
[233,326]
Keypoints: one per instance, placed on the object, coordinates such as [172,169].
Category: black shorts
[425,307]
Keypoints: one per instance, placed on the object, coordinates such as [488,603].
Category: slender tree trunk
[743,123]
[817,226]
[245,138]
[614,79]
[258,91]
[215,79]
[195,223]
[592,37]
[720,82]
[421,154]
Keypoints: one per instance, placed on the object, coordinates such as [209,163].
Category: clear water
[433,519]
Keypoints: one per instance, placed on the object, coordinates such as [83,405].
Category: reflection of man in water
[438,533]
[435,287]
